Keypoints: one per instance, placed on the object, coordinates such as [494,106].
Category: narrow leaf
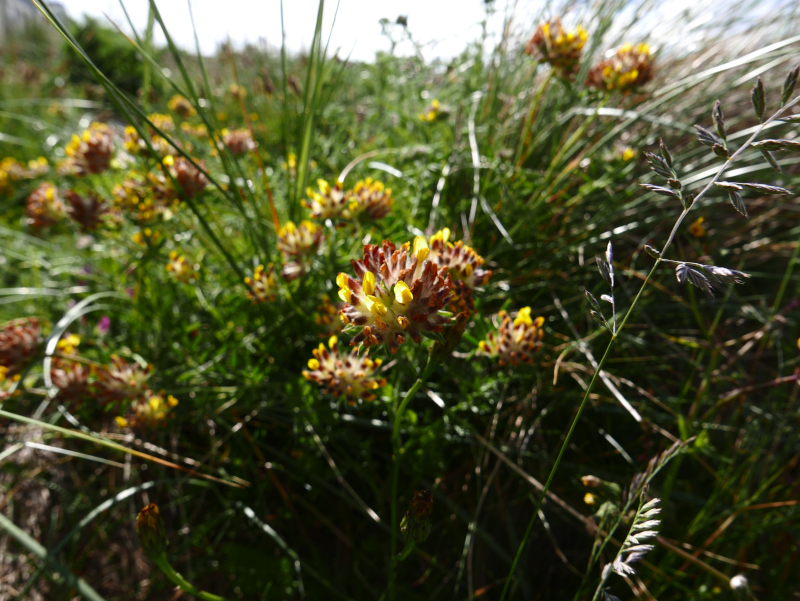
[719,119]
[771,160]
[788,85]
[767,189]
[660,190]
[737,202]
[758,98]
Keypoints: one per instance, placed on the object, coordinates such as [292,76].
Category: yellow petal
[368,284]
[375,306]
[402,293]
[524,317]
[313,364]
[421,250]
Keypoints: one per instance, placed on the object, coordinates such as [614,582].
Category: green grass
[270,488]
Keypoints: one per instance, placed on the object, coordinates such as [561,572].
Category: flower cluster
[297,244]
[7,383]
[12,170]
[328,203]
[562,49]
[146,237]
[516,340]
[148,413]
[262,286]
[629,68]
[433,112]
[369,198]
[464,266]
[19,341]
[71,378]
[90,152]
[180,269]
[238,141]
[162,122]
[86,211]
[199,131]
[145,197]
[150,196]
[45,207]
[396,293]
[326,314]
[181,106]
[122,381]
[344,375]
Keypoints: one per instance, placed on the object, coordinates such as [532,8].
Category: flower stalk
[397,450]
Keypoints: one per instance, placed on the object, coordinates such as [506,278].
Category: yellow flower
[562,49]
[697,229]
[343,281]
[67,345]
[180,105]
[589,498]
[180,268]
[515,341]
[262,286]
[629,68]
[344,375]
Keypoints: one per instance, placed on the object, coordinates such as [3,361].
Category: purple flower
[103,325]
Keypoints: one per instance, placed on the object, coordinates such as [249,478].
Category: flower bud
[415,525]
[151,530]
[591,481]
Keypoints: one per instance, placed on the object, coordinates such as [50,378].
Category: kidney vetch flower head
[238,141]
[629,68]
[516,340]
[90,152]
[19,341]
[297,244]
[396,293]
[86,211]
[328,203]
[122,381]
[149,413]
[45,207]
[344,375]
[434,112]
[180,268]
[262,286]
[562,49]
[464,265]
[369,198]
[180,105]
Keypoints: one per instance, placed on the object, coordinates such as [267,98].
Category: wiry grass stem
[615,335]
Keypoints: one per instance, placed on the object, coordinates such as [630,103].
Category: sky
[443,26]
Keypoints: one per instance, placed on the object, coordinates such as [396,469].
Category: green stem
[163,564]
[396,451]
